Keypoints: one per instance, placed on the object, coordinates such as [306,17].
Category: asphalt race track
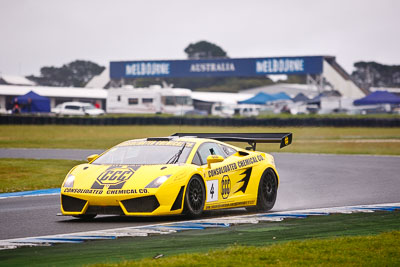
[307,181]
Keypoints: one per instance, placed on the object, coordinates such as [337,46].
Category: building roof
[68,92]
[15,80]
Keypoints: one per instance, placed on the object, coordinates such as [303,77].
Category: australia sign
[239,67]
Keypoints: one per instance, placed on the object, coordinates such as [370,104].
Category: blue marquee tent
[262,98]
[281,96]
[300,97]
[378,97]
[259,99]
[32,102]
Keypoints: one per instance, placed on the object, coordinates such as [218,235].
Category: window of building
[147,100]
[169,100]
[133,101]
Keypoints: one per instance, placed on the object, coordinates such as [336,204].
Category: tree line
[373,74]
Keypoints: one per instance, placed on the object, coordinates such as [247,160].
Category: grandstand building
[323,72]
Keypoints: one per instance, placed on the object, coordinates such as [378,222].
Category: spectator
[16,108]
[29,105]
[285,109]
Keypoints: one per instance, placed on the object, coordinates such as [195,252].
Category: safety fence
[203,121]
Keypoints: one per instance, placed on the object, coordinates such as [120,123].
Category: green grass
[30,174]
[380,141]
[316,242]
[380,250]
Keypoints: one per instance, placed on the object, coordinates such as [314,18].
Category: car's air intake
[72,204]
[141,204]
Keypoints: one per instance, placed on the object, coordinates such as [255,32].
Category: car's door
[221,177]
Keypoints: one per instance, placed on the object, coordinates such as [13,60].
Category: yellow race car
[185,173]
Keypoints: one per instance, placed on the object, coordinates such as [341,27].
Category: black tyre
[267,191]
[86,217]
[195,197]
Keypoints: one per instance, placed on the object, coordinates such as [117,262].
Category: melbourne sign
[239,67]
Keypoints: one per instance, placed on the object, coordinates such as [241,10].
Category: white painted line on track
[168,228]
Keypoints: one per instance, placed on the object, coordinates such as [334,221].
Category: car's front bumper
[154,202]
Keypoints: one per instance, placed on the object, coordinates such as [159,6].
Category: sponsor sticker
[225,186]
[234,166]
[128,191]
[230,205]
[114,177]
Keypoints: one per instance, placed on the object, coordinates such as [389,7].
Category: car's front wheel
[194,197]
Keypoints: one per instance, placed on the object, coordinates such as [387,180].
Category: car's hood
[91,176]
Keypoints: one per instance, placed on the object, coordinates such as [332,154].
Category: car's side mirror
[92,157]
[214,159]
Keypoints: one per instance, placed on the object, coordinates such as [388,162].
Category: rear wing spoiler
[252,139]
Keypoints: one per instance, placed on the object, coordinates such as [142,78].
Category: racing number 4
[212,187]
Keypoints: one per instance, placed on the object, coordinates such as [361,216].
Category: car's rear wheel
[267,192]
[85,217]
[194,197]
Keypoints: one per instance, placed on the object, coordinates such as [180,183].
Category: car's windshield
[147,153]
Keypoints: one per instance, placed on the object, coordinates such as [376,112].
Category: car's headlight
[158,181]
[70,181]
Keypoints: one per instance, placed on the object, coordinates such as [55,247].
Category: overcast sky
[37,33]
